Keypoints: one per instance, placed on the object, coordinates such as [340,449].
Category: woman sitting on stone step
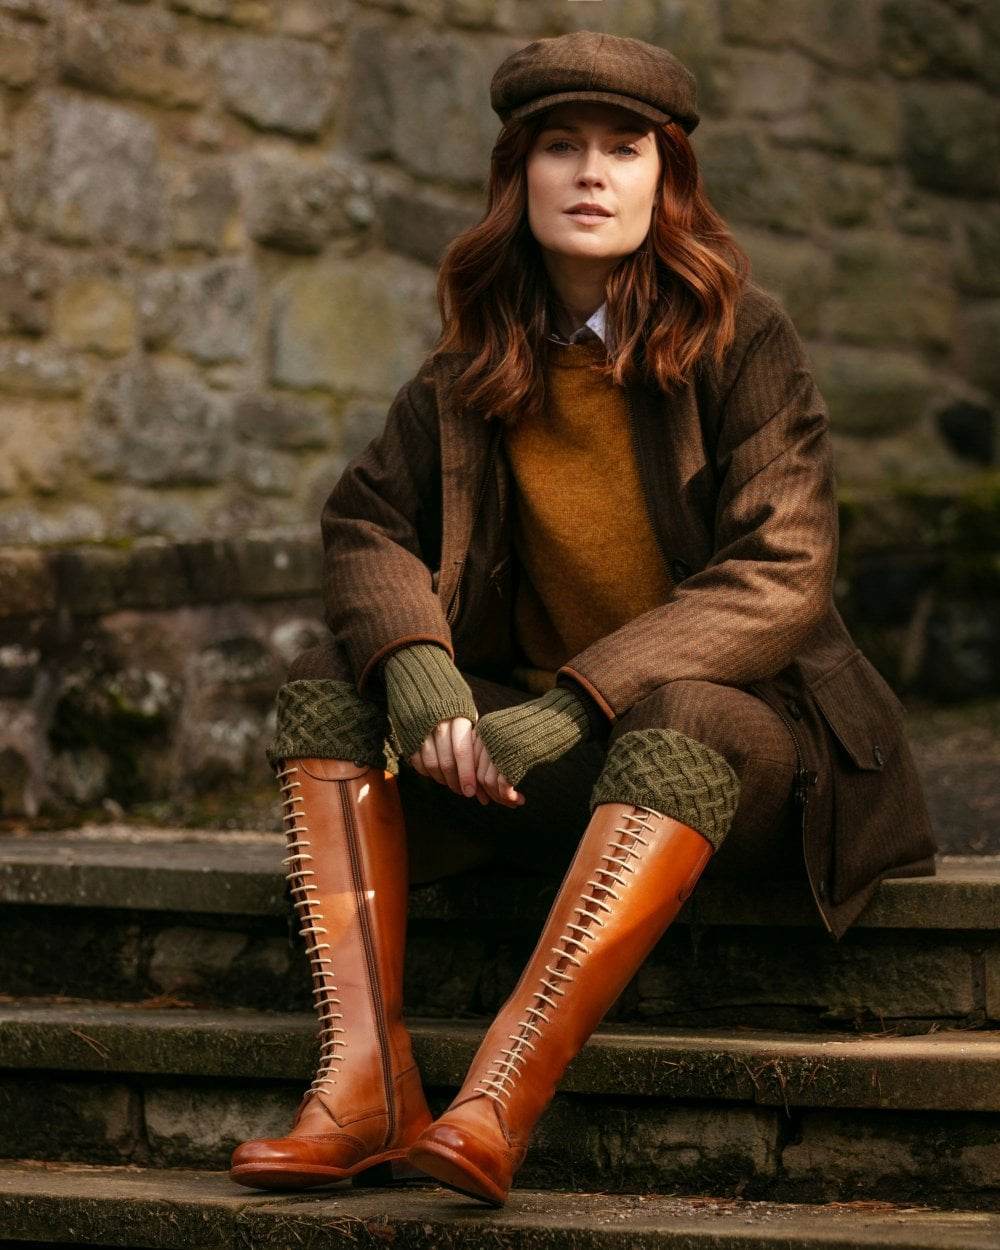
[579,595]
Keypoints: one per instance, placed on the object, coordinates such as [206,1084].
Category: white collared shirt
[594,327]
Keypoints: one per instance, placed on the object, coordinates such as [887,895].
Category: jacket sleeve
[381,529]
[769,584]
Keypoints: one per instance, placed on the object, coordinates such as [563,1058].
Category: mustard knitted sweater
[589,561]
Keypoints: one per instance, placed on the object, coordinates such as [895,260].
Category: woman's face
[596,153]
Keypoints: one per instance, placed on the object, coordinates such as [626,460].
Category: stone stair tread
[167,1209]
[948,1069]
[240,873]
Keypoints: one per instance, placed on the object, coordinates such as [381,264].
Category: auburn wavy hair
[668,302]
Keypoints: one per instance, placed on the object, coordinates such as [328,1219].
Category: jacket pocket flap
[862,710]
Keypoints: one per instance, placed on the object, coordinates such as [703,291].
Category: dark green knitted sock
[328,719]
[520,737]
[423,686]
[675,775]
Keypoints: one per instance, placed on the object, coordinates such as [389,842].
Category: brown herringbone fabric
[737,475]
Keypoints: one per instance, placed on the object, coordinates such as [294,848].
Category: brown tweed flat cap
[590,65]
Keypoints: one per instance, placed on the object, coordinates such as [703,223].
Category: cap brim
[604,97]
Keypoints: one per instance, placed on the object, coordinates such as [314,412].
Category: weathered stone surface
[86,171]
[44,1118]
[93,313]
[770,84]
[885,290]
[951,137]
[844,35]
[37,369]
[202,1127]
[277,83]
[25,287]
[921,37]
[217,311]
[282,422]
[435,80]
[19,52]
[977,266]
[976,349]
[205,207]
[796,271]
[156,424]
[38,440]
[859,118]
[420,221]
[142,54]
[751,183]
[297,204]
[240,12]
[872,393]
[377,348]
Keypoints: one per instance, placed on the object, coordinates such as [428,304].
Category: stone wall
[221,221]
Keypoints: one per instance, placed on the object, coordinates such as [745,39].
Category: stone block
[155,424]
[25,287]
[205,207]
[750,182]
[976,347]
[977,266]
[27,583]
[87,171]
[202,1126]
[297,204]
[377,348]
[67,950]
[880,1154]
[872,393]
[143,54]
[277,83]
[951,137]
[421,221]
[892,291]
[282,422]
[19,52]
[93,313]
[53,1119]
[38,370]
[436,82]
[921,38]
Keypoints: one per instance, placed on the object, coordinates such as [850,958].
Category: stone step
[759,1113]
[206,921]
[178,1209]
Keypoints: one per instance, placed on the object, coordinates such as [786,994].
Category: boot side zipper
[369,948]
[801,794]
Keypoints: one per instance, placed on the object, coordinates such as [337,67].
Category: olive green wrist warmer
[517,738]
[423,687]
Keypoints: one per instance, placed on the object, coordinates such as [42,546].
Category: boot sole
[455,1172]
[394,1170]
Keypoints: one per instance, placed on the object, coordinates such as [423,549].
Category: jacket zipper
[801,793]
[456,597]
[373,978]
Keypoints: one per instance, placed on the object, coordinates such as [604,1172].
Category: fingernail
[470,790]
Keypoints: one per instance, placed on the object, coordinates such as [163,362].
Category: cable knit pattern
[327,719]
[422,687]
[675,775]
[517,738]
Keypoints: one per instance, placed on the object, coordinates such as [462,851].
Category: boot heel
[392,1172]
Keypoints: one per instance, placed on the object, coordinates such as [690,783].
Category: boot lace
[499,1079]
[308,909]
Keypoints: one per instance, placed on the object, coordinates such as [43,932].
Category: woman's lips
[589,219]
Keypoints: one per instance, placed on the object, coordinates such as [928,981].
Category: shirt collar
[593,327]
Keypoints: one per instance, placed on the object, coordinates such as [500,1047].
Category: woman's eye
[564,142]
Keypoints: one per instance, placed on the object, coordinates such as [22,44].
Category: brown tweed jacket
[738,476]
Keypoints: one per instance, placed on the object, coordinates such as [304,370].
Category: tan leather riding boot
[631,873]
[349,872]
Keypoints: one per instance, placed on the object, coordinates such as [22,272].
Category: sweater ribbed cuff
[423,686]
[520,737]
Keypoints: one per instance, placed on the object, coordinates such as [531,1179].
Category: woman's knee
[322,660]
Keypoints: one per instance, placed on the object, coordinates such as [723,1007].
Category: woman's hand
[454,757]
